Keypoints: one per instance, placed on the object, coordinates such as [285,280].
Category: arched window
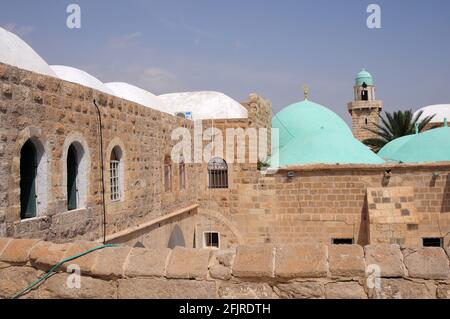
[116,174]
[33,179]
[218,173]
[182,173]
[167,174]
[76,176]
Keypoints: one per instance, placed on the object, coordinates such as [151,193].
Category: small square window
[211,240]
[433,242]
[343,241]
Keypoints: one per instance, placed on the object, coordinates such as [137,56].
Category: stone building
[81,159]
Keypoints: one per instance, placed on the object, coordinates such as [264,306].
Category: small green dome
[393,146]
[428,147]
[364,77]
[302,118]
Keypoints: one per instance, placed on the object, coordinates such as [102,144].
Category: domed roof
[427,147]
[440,112]
[364,76]
[325,147]
[393,146]
[310,133]
[74,75]
[14,51]
[133,93]
[205,105]
[306,117]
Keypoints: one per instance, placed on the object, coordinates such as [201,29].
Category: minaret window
[364,92]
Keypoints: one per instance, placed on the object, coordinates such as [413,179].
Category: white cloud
[158,80]
[21,31]
[124,40]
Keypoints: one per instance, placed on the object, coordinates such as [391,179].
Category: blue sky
[238,47]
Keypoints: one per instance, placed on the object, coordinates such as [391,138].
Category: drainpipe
[102,171]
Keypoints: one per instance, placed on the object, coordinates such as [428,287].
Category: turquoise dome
[393,146]
[302,118]
[428,147]
[364,76]
[310,133]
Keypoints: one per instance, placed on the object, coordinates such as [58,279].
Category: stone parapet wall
[261,271]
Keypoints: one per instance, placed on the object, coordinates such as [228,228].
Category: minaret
[365,109]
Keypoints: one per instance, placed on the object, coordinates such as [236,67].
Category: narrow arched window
[28,173]
[116,174]
[182,173]
[72,174]
[218,173]
[167,174]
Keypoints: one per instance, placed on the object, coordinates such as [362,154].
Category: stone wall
[297,271]
[365,114]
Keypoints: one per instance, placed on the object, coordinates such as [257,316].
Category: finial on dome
[417,128]
[305,92]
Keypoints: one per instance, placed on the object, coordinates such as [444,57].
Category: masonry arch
[76,171]
[115,157]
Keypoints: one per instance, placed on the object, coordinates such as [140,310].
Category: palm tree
[395,125]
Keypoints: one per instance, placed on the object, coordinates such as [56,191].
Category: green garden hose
[55,267]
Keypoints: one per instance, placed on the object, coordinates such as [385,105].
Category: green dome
[428,147]
[310,133]
[325,147]
[302,118]
[393,146]
[364,76]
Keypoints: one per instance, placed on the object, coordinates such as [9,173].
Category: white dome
[74,75]
[14,51]
[441,111]
[132,93]
[205,105]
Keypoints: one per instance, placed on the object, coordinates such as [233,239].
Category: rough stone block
[254,261]
[387,257]
[220,272]
[301,261]
[45,255]
[346,261]
[187,263]
[146,288]
[56,287]
[300,290]
[85,262]
[13,279]
[110,261]
[344,290]
[147,262]
[246,290]
[427,263]
[3,243]
[404,289]
[18,251]
[443,291]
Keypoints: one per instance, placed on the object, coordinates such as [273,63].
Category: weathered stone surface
[443,291]
[18,251]
[110,261]
[301,261]
[188,263]
[44,256]
[404,289]
[344,290]
[145,288]
[147,262]
[3,243]
[56,287]
[13,279]
[225,257]
[346,261]
[87,261]
[254,261]
[247,290]
[300,290]
[427,263]
[220,272]
[387,257]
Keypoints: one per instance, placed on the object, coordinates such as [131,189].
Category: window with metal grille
[182,174]
[115,172]
[211,240]
[218,173]
[433,242]
[167,174]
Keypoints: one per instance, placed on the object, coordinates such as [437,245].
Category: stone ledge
[427,263]
[301,261]
[187,263]
[254,261]
[18,251]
